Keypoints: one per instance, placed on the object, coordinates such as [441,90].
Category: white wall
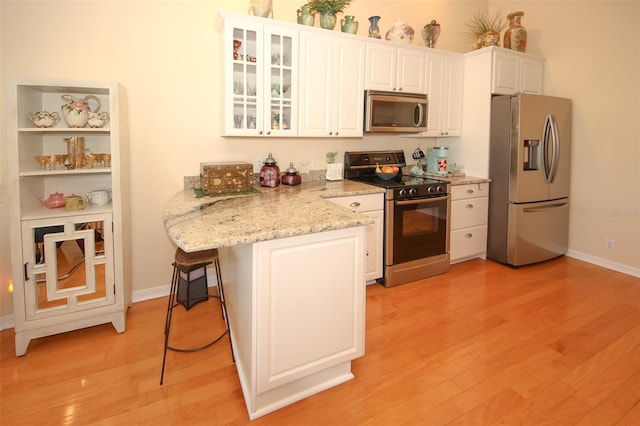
[167,55]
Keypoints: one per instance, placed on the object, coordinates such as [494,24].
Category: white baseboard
[618,267]
[137,296]
[163,290]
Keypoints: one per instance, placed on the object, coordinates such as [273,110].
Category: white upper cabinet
[445,82]
[395,69]
[260,64]
[331,89]
[515,72]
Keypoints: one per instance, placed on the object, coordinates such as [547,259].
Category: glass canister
[270,173]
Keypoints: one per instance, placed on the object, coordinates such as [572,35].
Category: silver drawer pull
[469,235]
[469,191]
[354,204]
[469,206]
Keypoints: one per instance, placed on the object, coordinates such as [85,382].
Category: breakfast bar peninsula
[293,272]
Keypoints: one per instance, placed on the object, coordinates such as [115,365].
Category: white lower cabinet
[371,205]
[296,309]
[469,212]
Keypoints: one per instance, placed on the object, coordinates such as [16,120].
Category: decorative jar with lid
[291,176]
[270,173]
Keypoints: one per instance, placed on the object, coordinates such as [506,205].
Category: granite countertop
[458,180]
[195,224]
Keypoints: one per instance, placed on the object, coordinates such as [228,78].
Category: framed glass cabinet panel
[280,80]
[68,264]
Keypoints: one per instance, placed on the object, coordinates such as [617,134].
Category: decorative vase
[490,38]
[430,34]
[349,24]
[374,31]
[400,32]
[261,8]
[305,16]
[515,37]
[328,20]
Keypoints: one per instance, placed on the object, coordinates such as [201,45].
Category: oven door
[416,229]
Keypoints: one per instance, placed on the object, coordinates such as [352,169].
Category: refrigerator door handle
[550,132]
[555,159]
[542,208]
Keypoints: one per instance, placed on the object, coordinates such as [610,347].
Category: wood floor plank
[553,343]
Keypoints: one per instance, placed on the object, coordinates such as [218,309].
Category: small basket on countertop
[226,177]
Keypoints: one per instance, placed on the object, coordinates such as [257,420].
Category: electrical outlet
[609,244]
[258,165]
[314,161]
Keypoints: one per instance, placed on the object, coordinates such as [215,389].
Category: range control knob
[440,188]
[402,193]
[431,190]
[413,192]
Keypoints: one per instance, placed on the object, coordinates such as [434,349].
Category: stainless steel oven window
[417,229]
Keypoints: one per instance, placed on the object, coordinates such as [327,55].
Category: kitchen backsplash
[313,176]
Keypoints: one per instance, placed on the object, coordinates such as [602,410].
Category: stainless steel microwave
[395,112]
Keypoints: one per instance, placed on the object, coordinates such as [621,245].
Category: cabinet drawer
[470,212]
[361,203]
[471,190]
[468,242]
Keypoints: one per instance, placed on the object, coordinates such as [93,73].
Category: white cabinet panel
[331,86]
[445,82]
[515,72]
[371,205]
[392,69]
[469,217]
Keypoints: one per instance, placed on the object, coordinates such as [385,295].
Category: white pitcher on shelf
[76,111]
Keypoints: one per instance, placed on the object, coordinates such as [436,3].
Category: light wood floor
[556,343]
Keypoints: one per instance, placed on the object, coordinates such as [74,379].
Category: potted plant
[328,10]
[486,28]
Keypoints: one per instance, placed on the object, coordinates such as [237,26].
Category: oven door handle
[419,201]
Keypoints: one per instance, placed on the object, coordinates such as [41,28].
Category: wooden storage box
[223,178]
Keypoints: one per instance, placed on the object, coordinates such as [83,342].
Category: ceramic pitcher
[76,111]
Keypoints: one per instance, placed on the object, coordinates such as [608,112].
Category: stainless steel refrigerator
[529,167]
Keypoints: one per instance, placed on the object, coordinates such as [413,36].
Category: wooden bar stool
[189,287]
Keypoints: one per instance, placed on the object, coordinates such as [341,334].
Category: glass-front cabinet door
[260,66]
[282,57]
[68,265]
[245,59]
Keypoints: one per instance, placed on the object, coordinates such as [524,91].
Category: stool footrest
[199,348]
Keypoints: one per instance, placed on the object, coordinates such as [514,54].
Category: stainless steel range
[416,217]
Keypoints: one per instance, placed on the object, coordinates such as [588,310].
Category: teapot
[76,111]
[74,203]
[54,201]
[99,197]
[44,118]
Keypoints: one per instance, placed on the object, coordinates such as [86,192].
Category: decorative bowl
[386,176]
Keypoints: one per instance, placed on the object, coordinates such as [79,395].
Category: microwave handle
[419,123]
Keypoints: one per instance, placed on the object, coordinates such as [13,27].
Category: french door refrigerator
[529,167]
